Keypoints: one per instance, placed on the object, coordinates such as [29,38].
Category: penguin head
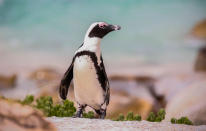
[101,29]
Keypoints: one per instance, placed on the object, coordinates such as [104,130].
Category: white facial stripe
[90,28]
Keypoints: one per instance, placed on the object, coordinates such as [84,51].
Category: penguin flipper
[106,82]
[65,82]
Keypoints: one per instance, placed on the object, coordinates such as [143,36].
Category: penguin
[91,84]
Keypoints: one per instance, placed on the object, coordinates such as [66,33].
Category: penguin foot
[77,115]
[79,111]
[101,113]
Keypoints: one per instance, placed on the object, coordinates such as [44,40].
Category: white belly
[87,89]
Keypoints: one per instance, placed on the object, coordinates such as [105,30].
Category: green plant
[151,117]
[90,115]
[27,100]
[157,118]
[173,120]
[137,117]
[161,114]
[182,120]
[120,118]
[66,109]
[130,117]
[46,105]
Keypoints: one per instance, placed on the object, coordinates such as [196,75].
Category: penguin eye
[102,26]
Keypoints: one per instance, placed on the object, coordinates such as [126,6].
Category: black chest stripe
[99,71]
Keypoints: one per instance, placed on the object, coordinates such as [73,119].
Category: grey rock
[76,124]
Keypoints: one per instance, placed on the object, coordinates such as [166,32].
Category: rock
[122,102]
[50,89]
[139,79]
[76,124]
[45,75]
[8,81]
[146,82]
[14,116]
[199,30]
[189,101]
[200,64]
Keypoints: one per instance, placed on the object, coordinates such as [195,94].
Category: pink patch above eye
[102,24]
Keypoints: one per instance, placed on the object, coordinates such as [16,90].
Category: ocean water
[49,31]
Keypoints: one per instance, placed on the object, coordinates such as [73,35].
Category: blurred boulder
[189,102]
[142,81]
[139,79]
[122,102]
[50,89]
[199,30]
[159,100]
[14,116]
[45,75]
[200,64]
[8,81]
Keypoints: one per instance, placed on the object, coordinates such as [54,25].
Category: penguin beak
[114,27]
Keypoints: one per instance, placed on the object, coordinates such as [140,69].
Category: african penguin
[91,85]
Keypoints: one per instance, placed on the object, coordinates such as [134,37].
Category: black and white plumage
[91,85]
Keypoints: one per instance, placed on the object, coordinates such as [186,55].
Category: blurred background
[157,60]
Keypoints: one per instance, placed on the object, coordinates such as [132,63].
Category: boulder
[139,79]
[143,84]
[8,81]
[14,116]
[199,30]
[122,102]
[50,89]
[200,64]
[189,101]
[44,75]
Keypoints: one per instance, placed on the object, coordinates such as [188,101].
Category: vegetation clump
[67,109]
[182,120]
[137,117]
[130,117]
[157,118]
[120,118]
[45,104]
[28,100]
[90,115]
[151,117]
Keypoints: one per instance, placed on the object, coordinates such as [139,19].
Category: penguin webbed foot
[101,113]
[77,115]
[79,111]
